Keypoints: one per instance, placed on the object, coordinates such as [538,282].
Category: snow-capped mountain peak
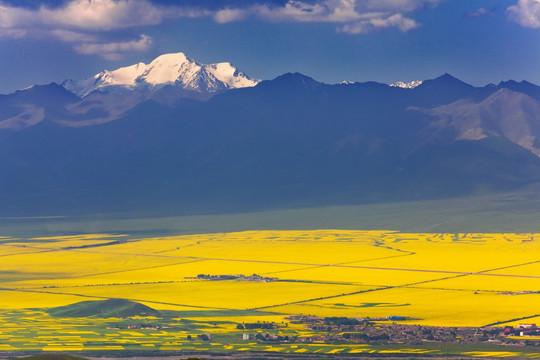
[169,69]
[409,85]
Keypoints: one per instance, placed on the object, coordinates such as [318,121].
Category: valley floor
[251,291]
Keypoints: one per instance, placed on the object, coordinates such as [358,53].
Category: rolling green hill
[104,309]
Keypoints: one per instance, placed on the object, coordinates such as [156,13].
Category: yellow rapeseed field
[432,279]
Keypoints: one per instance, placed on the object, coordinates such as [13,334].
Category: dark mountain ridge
[291,140]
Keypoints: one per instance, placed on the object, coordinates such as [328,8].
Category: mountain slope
[507,114]
[522,87]
[287,141]
[28,107]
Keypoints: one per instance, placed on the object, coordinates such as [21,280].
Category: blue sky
[478,41]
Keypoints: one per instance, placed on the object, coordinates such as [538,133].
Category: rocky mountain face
[290,141]
[505,113]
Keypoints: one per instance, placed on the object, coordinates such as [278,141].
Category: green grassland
[505,212]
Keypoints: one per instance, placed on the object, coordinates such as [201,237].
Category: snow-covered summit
[169,69]
[410,85]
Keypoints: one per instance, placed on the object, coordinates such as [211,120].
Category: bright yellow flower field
[435,279]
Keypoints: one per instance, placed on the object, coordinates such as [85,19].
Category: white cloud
[84,14]
[73,36]
[114,50]
[229,15]
[12,33]
[365,26]
[87,23]
[338,11]
[13,17]
[526,13]
[103,14]
[478,12]
[397,20]
[295,11]
[395,5]
[359,16]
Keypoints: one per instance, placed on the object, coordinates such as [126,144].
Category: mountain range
[178,136]
[168,69]
[109,95]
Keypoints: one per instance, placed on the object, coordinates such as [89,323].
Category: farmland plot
[231,278]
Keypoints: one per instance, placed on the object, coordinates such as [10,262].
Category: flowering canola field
[422,278]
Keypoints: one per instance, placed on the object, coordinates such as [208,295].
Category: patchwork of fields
[427,279]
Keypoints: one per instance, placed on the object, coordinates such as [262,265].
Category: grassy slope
[105,308]
[507,212]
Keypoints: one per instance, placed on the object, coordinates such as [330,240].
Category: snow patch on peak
[168,69]
[409,85]
[178,57]
[230,75]
[122,76]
